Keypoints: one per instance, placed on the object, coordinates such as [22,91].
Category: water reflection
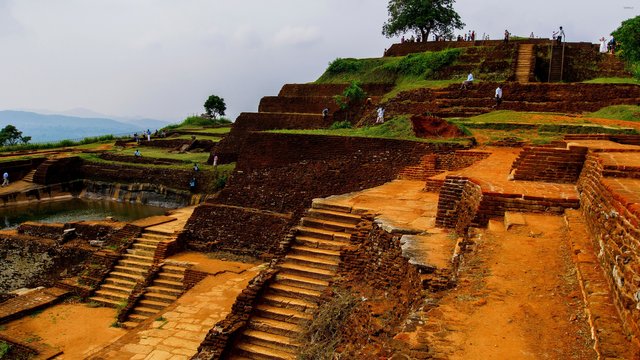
[74,210]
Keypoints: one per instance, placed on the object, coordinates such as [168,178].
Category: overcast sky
[162,58]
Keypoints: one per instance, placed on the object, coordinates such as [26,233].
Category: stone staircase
[130,269]
[555,67]
[525,63]
[29,176]
[165,289]
[304,274]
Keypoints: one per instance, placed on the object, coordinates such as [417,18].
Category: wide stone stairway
[131,268]
[165,289]
[305,273]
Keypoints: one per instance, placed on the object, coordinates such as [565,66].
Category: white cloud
[296,36]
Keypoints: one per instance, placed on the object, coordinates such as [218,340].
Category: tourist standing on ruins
[506,36]
[560,35]
[380,118]
[5,179]
[137,153]
[467,82]
[215,160]
[325,113]
[148,135]
[195,167]
[498,96]
[603,45]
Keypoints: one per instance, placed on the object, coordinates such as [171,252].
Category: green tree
[352,96]
[10,135]
[422,17]
[215,106]
[628,38]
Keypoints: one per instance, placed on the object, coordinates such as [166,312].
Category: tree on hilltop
[628,36]
[422,17]
[10,135]
[215,106]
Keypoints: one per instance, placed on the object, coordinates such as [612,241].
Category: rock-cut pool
[75,210]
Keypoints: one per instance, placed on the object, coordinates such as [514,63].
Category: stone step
[170,276]
[312,261]
[313,242]
[130,270]
[168,284]
[160,297]
[326,224]
[125,276]
[137,318]
[295,292]
[238,357]
[274,326]
[117,289]
[148,242]
[322,234]
[282,314]
[319,204]
[288,302]
[156,237]
[140,252]
[119,282]
[271,340]
[141,310]
[159,233]
[334,216]
[151,304]
[135,264]
[112,295]
[144,247]
[105,301]
[138,258]
[262,353]
[130,325]
[165,290]
[302,281]
[306,271]
[314,251]
[173,269]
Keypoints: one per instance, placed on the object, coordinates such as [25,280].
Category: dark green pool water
[75,210]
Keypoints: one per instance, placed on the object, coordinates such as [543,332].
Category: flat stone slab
[22,305]
[153,221]
[513,219]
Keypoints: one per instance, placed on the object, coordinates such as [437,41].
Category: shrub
[4,349]
[341,66]
[425,64]
[340,125]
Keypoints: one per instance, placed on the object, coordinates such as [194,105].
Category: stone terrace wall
[549,164]
[459,160]
[57,171]
[622,139]
[613,217]
[458,203]
[284,172]
[331,89]
[17,169]
[214,227]
[407,48]
[121,173]
[29,262]
[297,104]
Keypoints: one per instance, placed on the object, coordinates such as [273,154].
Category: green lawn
[222,130]
[613,81]
[201,159]
[188,137]
[618,112]
[159,153]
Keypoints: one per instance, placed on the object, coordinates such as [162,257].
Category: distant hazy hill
[59,127]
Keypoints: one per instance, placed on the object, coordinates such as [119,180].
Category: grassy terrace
[397,128]
[613,81]
[217,131]
[199,158]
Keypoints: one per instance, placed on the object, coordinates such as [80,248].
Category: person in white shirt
[467,82]
[560,35]
[5,179]
[498,96]
[380,118]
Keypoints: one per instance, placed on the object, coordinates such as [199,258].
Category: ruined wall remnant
[611,208]
[458,203]
[30,262]
[217,227]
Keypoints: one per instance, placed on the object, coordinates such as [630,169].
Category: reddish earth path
[517,298]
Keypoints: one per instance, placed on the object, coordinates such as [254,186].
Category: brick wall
[331,89]
[192,277]
[284,172]
[215,227]
[407,48]
[140,159]
[459,160]
[17,169]
[458,203]
[57,171]
[549,164]
[610,206]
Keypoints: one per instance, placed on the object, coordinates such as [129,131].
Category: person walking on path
[560,35]
[498,96]
[5,179]
[380,118]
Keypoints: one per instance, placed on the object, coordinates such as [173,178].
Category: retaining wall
[549,164]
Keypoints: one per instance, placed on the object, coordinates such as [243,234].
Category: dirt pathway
[517,298]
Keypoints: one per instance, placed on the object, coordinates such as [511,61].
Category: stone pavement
[176,333]
[21,305]
[181,215]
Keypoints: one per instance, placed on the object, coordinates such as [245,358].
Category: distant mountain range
[55,127]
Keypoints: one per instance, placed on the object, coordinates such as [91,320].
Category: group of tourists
[608,47]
